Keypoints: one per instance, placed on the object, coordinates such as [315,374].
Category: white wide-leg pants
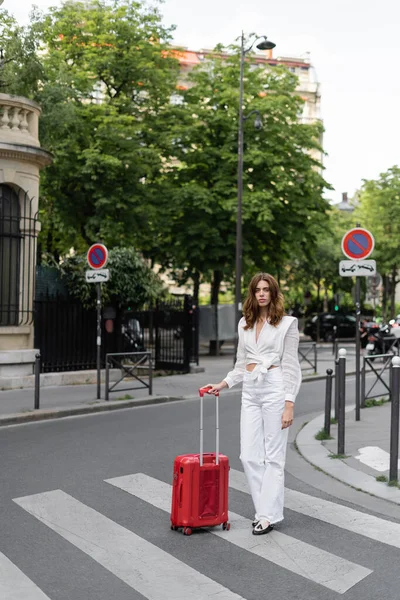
[263,442]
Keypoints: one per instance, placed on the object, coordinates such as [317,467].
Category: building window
[17,257]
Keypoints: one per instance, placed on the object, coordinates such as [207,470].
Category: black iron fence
[135,367]
[65,333]
[18,231]
[308,356]
[380,386]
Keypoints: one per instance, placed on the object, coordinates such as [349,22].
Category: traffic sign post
[97,257]
[357,245]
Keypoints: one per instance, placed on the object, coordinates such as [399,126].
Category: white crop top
[276,346]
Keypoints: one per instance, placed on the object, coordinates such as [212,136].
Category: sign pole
[97,257]
[98,341]
[358,345]
[357,245]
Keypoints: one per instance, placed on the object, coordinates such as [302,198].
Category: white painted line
[341,516]
[375,457]
[146,568]
[310,562]
[14,585]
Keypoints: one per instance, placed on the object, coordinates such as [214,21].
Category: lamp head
[258,123]
[266,44]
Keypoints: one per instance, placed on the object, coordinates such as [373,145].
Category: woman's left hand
[287,416]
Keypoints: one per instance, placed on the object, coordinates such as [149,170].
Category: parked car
[345,326]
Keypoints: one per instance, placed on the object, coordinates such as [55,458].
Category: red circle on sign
[97,256]
[358,243]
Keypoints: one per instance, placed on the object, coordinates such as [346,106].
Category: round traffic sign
[358,243]
[97,256]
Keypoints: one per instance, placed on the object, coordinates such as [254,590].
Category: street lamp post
[264,45]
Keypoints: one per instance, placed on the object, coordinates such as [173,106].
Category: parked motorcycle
[380,340]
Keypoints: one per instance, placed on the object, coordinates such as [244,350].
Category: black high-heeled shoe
[259,529]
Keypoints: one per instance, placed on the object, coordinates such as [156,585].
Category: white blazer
[276,346]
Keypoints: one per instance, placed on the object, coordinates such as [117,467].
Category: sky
[354,48]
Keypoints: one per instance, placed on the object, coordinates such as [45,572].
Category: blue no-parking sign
[97,256]
[358,243]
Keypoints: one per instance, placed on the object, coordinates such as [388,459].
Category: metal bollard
[328,401]
[334,340]
[363,376]
[107,381]
[37,381]
[150,374]
[342,400]
[394,420]
[315,358]
[336,389]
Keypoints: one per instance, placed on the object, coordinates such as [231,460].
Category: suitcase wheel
[174,528]
[226,525]
[187,531]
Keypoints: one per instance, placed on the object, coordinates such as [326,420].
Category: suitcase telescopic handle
[202,391]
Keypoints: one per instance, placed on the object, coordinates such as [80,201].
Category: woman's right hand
[216,387]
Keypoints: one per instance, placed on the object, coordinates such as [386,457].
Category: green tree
[21,69]
[132,282]
[283,186]
[107,74]
[378,211]
[316,270]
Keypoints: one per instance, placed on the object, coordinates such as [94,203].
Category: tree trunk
[384,296]
[216,283]
[318,307]
[196,287]
[393,293]
[326,308]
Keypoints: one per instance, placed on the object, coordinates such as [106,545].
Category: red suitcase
[200,485]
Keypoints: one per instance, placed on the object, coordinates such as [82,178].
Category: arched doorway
[17,257]
[10,248]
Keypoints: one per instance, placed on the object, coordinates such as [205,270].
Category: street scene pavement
[97,495]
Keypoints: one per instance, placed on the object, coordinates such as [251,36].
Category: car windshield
[351,318]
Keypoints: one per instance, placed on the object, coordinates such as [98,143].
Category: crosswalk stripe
[344,517]
[375,457]
[141,565]
[310,562]
[14,585]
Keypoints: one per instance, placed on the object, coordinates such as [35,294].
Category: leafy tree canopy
[106,73]
[282,197]
[132,282]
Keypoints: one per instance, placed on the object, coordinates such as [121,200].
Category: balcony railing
[19,120]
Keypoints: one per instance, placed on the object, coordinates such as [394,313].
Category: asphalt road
[70,531]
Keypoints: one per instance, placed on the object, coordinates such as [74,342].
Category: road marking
[14,585]
[375,457]
[329,512]
[310,562]
[141,565]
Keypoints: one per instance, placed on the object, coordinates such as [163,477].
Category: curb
[33,416]
[314,452]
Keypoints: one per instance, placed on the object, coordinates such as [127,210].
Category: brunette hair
[251,309]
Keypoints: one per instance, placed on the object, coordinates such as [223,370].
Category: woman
[267,364]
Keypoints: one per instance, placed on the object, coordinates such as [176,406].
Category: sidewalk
[367,451]
[18,404]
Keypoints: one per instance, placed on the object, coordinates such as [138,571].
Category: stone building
[21,159]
